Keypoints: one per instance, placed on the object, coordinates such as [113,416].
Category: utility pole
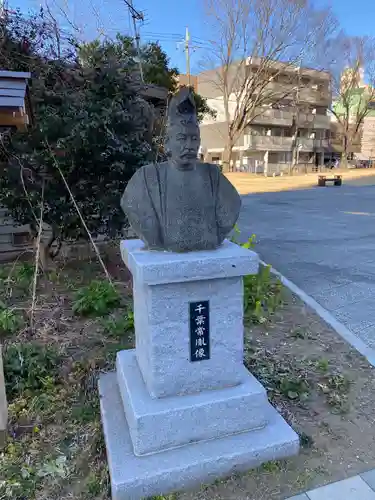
[187,53]
[136,16]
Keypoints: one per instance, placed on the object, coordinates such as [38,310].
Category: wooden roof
[13,89]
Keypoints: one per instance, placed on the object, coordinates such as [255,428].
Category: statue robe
[181,210]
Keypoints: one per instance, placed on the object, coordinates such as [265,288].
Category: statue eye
[181,137]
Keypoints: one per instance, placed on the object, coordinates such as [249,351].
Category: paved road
[323,239]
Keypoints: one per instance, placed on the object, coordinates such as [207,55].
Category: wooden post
[3,405]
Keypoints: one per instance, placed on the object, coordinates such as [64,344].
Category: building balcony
[284,118]
[274,143]
[289,91]
[313,121]
[312,144]
[273,117]
[312,96]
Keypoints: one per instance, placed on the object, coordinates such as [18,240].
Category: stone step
[134,478]
[157,424]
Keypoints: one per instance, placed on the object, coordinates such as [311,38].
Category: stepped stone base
[171,420]
[137,477]
[181,420]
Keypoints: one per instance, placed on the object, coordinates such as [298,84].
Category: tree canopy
[92,127]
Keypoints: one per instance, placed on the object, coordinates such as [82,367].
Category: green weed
[272,466]
[262,295]
[10,320]
[97,299]
[117,327]
[250,243]
[322,365]
[29,367]
[299,333]
[305,440]
[294,388]
[336,388]
[262,292]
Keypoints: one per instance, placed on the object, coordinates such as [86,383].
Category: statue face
[183,144]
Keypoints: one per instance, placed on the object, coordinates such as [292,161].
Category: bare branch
[353,84]
[258,49]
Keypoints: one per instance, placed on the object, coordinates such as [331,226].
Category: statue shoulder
[146,174]
[211,168]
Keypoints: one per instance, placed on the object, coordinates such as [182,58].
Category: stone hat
[181,108]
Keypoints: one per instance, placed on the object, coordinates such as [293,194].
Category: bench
[336,179]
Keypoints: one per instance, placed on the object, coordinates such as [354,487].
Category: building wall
[364,142]
[213,136]
[312,121]
[186,80]
[13,239]
[368,137]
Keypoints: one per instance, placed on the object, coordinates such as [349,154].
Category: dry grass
[246,183]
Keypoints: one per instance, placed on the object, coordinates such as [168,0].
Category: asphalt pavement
[322,239]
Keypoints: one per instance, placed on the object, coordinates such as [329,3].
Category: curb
[341,329]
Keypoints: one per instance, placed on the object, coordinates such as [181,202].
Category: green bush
[16,279]
[10,320]
[29,367]
[97,299]
[116,327]
[262,295]
[262,292]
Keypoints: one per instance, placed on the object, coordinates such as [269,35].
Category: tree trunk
[344,155]
[46,253]
[227,156]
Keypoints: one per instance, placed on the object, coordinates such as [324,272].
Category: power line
[134,13]
[177,36]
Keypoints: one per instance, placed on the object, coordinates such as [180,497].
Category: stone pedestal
[181,409]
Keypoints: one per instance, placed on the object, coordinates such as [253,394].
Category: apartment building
[184,80]
[292,127]
[368,134]
[362,145]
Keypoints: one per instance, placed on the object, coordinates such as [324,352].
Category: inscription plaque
[199,330]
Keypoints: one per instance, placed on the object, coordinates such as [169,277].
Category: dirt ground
[56,450]
[247,183]
[328,398]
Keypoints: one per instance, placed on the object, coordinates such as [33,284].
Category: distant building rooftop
[15,107]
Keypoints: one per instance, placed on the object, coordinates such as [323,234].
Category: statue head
[182,134]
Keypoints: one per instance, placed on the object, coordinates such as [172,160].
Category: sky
[166,21]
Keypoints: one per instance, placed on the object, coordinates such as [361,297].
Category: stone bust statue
[181,205]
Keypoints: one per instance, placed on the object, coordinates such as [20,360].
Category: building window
[20,239]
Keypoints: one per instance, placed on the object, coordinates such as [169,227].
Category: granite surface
[135,478]
[161,313]
[180,420]
[181,205]
[156,268]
